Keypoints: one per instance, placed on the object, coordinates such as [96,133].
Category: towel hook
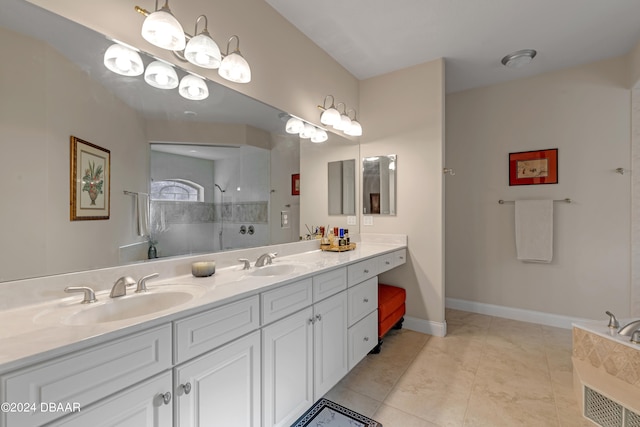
[620,171]
[448,171]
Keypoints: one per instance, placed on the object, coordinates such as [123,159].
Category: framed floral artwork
[90,181]
[295,184]
[533,167]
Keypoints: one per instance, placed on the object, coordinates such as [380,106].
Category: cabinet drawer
[361,271]
[141,405]
[363,299]
[285,300]
[87,375]
[386,262]
[363,336]
[330,283]
[400,257]
[200,333]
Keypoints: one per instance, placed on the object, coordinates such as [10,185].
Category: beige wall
[403,114]
[585,113]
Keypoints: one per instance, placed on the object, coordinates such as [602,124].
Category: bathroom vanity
[252,348]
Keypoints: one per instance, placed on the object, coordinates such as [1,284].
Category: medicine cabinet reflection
[379,185]
[342,187]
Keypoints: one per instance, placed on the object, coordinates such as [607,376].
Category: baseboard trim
[437,329]
[531,316]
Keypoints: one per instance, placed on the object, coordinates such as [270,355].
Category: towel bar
[502,202]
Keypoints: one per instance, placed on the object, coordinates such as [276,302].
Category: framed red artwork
[533,167]
[295,184]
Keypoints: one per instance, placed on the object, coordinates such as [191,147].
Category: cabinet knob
[366,271]
[310,320]
[366,300]
[401,257]
[166,398]
[366,339]
[186,388]
[387,262]
[319,317]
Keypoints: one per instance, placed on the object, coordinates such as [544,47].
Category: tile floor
[487,371]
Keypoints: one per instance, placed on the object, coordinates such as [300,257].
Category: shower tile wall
[194,227]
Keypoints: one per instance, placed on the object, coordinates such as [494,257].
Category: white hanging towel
[534,230]
[142,213]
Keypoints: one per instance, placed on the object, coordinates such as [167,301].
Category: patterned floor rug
[326,413]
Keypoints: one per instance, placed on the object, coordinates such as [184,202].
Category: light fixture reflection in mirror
[379,176]
[342,187]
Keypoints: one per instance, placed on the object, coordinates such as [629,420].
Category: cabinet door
[287,351]
[222,387]
[143,405]
[330,343]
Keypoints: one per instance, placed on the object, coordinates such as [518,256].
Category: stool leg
[376,349]
[399,324]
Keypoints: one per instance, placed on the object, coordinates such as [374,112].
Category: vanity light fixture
[162,29]
[332,116]
[345,121]
[308,131]
[161,75]
[123,60]
[355,129]
[193,87]
[519,58]
[234,67]
[200,49]
[294,125]
[320,135]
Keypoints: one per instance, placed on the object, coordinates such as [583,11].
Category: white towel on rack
[142,214]
[534,230]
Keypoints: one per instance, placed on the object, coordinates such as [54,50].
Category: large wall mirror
[379,185]
[54,85]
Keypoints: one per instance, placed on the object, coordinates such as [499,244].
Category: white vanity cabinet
[221,387]
[86,376]
[305,353]
[149,404]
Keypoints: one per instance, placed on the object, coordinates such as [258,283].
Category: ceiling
[374,37]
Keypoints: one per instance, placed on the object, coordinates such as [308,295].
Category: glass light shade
[235,68]
[162,29]
[355,129]
[194,88]
[161,75]
[123,60]
[308,131]
[330,117]
[203,51]
[320,135]
[294,125]
[343,124]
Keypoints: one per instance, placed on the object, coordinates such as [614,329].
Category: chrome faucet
[265,259]
[120,287]
[630,328]
[142,283]
[613,322]
[89,295]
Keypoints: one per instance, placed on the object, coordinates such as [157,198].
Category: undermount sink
[130,306]
[274,270]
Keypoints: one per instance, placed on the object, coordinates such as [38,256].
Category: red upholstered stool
[391,309]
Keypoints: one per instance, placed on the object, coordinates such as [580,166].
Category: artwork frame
[295,184]
[533,167]
[90,176]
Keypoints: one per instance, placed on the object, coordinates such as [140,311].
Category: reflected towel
[534,230]
[142,214]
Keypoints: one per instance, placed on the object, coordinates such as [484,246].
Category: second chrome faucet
[119,288]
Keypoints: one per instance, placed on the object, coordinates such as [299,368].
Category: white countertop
[32,333]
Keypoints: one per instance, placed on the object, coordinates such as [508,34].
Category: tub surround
[607,363]
[27,341]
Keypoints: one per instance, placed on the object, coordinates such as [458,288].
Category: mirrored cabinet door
[379,185]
